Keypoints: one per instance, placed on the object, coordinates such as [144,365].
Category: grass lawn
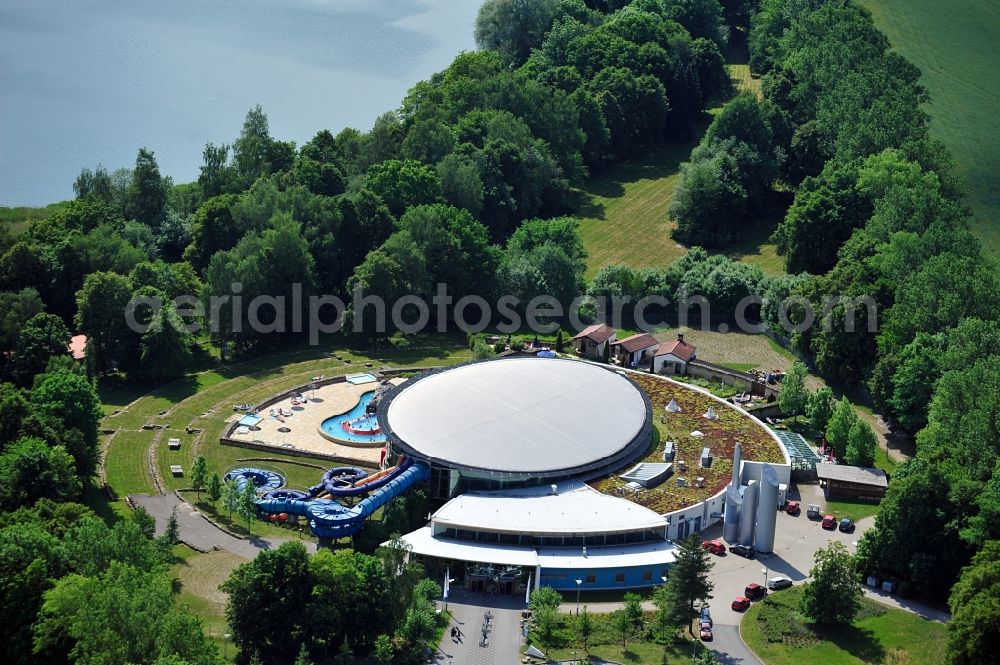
[856,510]
[955,46]
[780,635]
[198,577]
[605,644]
[623,210]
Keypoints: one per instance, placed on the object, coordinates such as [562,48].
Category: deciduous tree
[838,430]
[199,474]
[213,490]
[974,629]
[861,445]
[794,395]
[267,598]
[820,408]
[514,27]
[834,593]
[42,337]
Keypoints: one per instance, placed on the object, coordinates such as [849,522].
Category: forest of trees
[471,182]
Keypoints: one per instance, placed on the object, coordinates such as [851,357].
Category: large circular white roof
[518,416]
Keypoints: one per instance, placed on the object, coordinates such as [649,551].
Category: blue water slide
[338,477]
[329,519]
[368,487]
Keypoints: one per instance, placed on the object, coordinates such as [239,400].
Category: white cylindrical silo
[767,509]
[731,517]
[748,514]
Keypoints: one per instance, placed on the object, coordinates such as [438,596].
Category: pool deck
[306,419]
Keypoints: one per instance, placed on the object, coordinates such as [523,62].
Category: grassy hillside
[623,211]
[955,45]
[16,220]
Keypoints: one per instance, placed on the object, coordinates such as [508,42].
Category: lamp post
[578,583]
[225,645]
[764,570]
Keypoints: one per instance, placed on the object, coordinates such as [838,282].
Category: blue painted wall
[564,579]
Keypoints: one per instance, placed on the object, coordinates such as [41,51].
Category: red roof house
[593,340]
[631,351]
[672,357]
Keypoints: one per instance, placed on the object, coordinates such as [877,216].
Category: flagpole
[447,575]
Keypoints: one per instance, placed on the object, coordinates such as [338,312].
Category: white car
[776,583]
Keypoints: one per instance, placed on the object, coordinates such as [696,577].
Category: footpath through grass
[780,634]
[955,45]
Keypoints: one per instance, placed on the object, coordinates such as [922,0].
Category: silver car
[776,583]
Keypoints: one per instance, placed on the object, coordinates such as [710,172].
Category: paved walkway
[199,533]
[503,643]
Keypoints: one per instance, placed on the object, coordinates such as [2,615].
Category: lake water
[84,82]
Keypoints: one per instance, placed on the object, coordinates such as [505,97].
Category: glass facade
[562,540]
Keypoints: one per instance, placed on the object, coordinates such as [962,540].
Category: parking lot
[796,540]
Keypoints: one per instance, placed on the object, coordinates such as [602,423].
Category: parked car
[702,625]
[793,508]
[744,551]
[706,633]
[706,615]
[847,525]
[813,512]
[741,604]
[715,546]
[830,522]
[776,583]
[754,591]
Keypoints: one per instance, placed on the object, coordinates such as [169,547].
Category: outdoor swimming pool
[359,427]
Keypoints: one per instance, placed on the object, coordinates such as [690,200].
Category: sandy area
[306,419]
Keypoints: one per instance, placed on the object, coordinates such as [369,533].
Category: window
[590,579]
[619,578]
[647,576]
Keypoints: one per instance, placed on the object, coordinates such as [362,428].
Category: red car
[830,522]
[792,508]
[715,546]
[741,604]
[755,591]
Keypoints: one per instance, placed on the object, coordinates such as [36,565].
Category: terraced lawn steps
[136,458]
